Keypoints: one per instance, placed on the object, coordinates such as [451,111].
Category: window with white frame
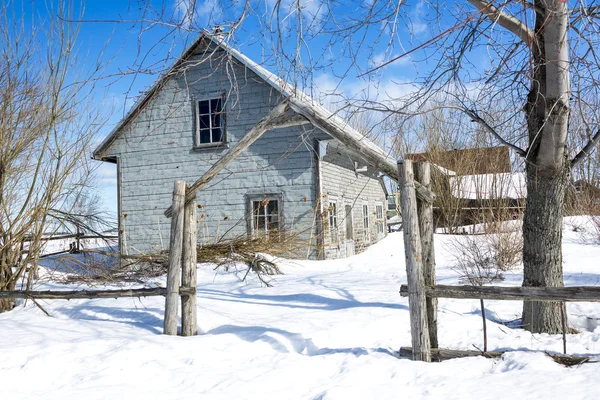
[209,122]
[365,209]
[265,217]
[380,220]
[333,223]
[349,222]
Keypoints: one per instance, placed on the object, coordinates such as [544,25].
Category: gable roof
[300,102]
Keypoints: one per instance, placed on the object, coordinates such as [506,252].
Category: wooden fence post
[189,272]
[175,257]
[413,254]
[426,229]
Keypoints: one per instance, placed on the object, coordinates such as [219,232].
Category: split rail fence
[181,275]
[416,200]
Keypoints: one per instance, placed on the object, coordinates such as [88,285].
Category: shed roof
[471,161]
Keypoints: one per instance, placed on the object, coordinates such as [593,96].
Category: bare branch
[506,21]
[586,150]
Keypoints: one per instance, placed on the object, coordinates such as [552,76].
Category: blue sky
[134,49]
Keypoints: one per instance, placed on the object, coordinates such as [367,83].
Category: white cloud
[385,56]
[198,13]
[312,10]
[417,25]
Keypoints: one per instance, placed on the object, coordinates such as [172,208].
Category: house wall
[340,182]
[156,148]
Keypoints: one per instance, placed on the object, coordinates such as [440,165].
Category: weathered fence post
[188,279]
[414,272]
[426,229]
[175,257]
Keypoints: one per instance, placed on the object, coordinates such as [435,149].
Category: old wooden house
[295,179]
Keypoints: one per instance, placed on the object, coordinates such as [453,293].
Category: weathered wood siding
[156,148]
[341,182]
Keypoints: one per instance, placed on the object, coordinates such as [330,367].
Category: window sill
[210,146]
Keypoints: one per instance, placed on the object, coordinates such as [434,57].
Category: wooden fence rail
[89,294]
[573,293]
[419,326]
[180,284]
[421,288]
[181,276]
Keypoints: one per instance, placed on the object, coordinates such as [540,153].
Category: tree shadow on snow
[297,343]
[492,316]
[304,301]
[150,319]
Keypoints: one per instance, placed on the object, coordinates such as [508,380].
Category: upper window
[209,122]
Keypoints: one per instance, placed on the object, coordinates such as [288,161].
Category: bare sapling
[46,126]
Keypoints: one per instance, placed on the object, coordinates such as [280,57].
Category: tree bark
[542,250]
[547,113]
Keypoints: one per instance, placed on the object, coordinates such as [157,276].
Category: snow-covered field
[326,330]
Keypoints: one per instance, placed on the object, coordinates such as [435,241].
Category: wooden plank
[447,354]
[265,124]
[83,294]
[572,293]
[414,269]
[424,193]
[175,257]
[189,271]
[425,215]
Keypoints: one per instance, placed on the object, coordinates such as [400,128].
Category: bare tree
[46,127]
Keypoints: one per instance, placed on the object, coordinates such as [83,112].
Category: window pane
[204,135]
[272,207]
[203,107]
[215,105]
[216,120]
[258,208]
[259,216]
[216,135]
[204,121]
[273,222]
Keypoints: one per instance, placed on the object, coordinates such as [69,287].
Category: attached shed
[296,178]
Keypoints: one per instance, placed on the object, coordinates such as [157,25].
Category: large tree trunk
[542,251]
[547,113]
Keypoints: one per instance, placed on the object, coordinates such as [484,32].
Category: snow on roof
[295,96]
[489,186]
[443,170]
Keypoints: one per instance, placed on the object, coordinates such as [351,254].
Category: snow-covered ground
[326,330]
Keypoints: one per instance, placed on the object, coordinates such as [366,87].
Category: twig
[484,326]
[40,307]
[564,326]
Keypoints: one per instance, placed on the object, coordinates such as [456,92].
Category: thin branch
[471,113]
[482,122]
[589,147]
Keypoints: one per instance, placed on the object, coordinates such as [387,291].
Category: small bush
[481,259]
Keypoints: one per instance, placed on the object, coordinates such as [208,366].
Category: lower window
[380,219]
[265,218]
